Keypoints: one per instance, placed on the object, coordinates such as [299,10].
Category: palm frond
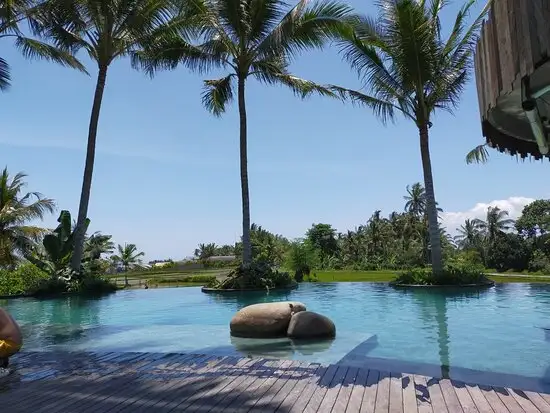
[217,94]
[383,109]
[479,154]
[4,75]
[35,49]
[304,28]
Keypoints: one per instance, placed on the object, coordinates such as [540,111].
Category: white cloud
[514,205]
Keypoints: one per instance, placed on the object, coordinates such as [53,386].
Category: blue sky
[167,174]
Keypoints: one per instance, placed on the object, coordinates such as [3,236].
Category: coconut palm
[106,30]
[129,257]
[495,223]
[17,209]
[408,67]
[12,14]
[98,244]
[252,39]
[416,199]
[468,235]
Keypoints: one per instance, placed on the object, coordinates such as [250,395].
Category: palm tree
[468,235]
[98,244]
[205,251]
[106,30]
[12,14]
[252,39]
[128,256]
[409,68]
[17,238]
[416,199]
[495,223]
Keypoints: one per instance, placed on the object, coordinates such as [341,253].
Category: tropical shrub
[26,279]
[452,274]
[257,275]
[302,258]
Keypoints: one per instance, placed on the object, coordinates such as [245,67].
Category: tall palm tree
[468,235]
[12,14]
[410,68]
[416,199]
[129,257]
[495,223]
[98,244]
[106,30]
[252,39]
[16,210]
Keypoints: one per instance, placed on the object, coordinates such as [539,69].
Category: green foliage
[58,248]
[26,279]
[302,258]
[257,275]
[266,246]
[508,252]
[17,209]
[453,274]
[535,219]
[323,238]
[539,262]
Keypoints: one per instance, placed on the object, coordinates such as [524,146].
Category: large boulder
[264,320]
[308,324]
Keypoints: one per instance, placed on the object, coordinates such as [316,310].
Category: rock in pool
[307,324]
[264,320]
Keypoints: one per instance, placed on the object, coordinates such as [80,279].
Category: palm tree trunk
[80,230]
[431,209]
[247,246]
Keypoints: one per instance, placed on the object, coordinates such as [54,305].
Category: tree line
[405,63]
[36,259]
[401,241]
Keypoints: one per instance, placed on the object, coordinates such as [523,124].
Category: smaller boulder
[307,324]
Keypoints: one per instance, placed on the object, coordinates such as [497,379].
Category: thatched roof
[514,47]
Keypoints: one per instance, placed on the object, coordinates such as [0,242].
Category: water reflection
[433,306]
[285,348]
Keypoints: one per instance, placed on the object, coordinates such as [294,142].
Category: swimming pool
[495,334]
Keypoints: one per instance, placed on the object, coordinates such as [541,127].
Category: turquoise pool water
[499,332]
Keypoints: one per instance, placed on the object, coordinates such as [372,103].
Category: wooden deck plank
[321,389]
[423,401]
[523,400]
[538,401]
[344,395]
[191,382]
[368,403]
[171,394]
[396,393]
[50,394]
[251,394]
[383,393]
[450,397]
[409,394]
[205,401]
[508,400]
[141,382]
[333,390]
[121,394]
[218,400]
[266,402]
[303,390]
[296,373]
[238,391]
[260,386]
[481,402]
[493,399]
[436,396]
[354,403]
[464,397]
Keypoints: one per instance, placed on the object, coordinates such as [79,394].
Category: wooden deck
[138,382]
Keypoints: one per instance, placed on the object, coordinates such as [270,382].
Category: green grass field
[194,278]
